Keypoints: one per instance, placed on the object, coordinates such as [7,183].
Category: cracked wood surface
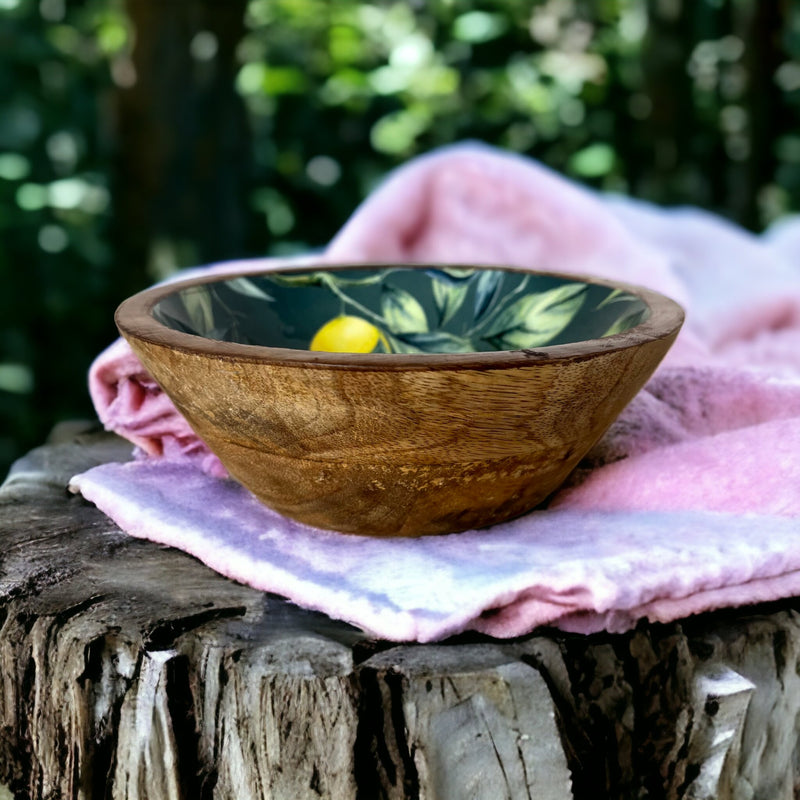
[130,670]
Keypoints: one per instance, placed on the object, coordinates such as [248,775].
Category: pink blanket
[688,503]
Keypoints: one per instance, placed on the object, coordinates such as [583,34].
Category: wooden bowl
[482,390]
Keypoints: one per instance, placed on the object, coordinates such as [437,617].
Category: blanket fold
[689,502]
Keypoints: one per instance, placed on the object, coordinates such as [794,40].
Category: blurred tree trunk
[761,26]
[183,161]
[691,158]
[685,158]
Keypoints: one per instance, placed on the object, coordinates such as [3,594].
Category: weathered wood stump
[130,670]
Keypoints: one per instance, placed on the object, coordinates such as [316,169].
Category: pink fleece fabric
[689,502]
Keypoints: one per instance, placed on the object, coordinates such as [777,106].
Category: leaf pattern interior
[410,309]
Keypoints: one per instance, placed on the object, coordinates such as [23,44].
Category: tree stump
[130,670]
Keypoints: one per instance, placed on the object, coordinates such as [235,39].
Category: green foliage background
[142,137]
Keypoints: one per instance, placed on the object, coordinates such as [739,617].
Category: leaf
[197,303]
[519,339]
[557,309]
[248,288]
[449,297]
[402,312]
[365,280]
[626,322]
[171,320]
[523,312]
[436,342]
[451,274]
[615,296]
[487,288]
[543,315]
[297,279]
[395,345]
[512,317]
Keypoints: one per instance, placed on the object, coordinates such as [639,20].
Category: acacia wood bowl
[484,389]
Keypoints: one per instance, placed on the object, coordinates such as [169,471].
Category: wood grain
[399,445]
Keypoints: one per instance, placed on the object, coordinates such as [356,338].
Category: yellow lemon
[346,334]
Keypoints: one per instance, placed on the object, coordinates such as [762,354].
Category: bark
[130,670]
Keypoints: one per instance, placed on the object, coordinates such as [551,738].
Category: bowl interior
[401,309]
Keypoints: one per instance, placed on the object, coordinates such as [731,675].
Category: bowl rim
[134,320]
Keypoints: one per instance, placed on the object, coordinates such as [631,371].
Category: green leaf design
[452,274]
[519,339]
[487,288]
[197,303]
[396,345]
[434,342]
[402,312]
[449,297]
[248,288]
[615,296]
[536,318]
[626,321]
[343,279]
[300,279]
[173,321]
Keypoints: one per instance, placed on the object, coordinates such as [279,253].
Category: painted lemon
[346,334]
